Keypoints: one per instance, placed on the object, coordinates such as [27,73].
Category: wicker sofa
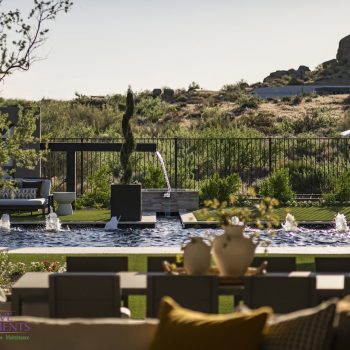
[43,201]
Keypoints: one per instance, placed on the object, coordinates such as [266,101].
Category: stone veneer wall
[153,200]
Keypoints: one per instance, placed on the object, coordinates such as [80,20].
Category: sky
[102,46]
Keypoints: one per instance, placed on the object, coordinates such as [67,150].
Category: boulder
[343,54]
[156,92]
[168,94]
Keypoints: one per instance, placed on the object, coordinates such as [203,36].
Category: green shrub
[341,191]
[154,178]
[309,178]
[220,188]
[278,186]
[98,196]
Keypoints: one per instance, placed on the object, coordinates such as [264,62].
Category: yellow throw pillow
[183,329]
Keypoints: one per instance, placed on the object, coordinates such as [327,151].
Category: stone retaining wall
[153,200]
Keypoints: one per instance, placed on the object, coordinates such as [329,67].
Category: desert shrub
[154,178]
[220,188]
[286,99]
[347,100]
[248,101]
[99,193]
[193,86]
[278,185]
[153,108]
[234,92]
[297,100]
[264,122]
[314,121]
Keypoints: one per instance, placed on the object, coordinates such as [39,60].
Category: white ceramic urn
[233,252]
[197,256]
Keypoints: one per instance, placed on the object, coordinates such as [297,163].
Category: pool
[167,233]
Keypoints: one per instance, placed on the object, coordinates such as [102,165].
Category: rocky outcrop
[332,72]
[343,54]
[296,76]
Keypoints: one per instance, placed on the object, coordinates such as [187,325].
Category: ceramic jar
[233,252]
[197,256]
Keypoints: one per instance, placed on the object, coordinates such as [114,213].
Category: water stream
[166,177]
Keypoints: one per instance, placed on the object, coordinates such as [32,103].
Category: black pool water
[168,232]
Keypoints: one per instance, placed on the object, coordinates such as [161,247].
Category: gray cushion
[26,202]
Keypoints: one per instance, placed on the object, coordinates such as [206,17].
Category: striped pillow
[308,329]
[26,193]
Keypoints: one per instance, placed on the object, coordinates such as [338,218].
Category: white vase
[233,252]
[197,257]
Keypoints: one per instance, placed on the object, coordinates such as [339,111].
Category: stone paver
[174,250]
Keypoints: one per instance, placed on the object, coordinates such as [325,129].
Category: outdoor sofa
[123,334]
[41,201]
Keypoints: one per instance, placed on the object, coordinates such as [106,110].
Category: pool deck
[287,250]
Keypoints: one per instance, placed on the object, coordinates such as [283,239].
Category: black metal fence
[313,162]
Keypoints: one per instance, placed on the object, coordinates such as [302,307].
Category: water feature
[340,223]
[290,225]
[168,232]
[5,223]
[53,222]
[166,177]
[235,221]
[112,225]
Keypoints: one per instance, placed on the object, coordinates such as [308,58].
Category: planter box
[126,202]
[153,200]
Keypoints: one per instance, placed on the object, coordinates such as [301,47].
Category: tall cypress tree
[129,142]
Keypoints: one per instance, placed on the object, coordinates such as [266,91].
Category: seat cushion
[84,334]
[307,329]
[180,328]
[22,202]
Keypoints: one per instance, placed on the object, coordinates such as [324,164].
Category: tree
[129,141]
[20,36]
[15,143]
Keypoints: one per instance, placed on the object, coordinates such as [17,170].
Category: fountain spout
[112,225]
[53,222]
[290,224]
[340,223]
[166,177]
[5,223]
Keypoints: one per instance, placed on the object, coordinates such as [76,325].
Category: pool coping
[149,220]
[282,250]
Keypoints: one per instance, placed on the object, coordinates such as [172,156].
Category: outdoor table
[35,286]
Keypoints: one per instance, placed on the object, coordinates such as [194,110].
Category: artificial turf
[314,213]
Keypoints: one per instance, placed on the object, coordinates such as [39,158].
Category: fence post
[270,155]
[176,165]
[71,171]
[81,169]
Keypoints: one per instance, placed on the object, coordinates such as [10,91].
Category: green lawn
[78,215]
[300,213]
[138,262]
